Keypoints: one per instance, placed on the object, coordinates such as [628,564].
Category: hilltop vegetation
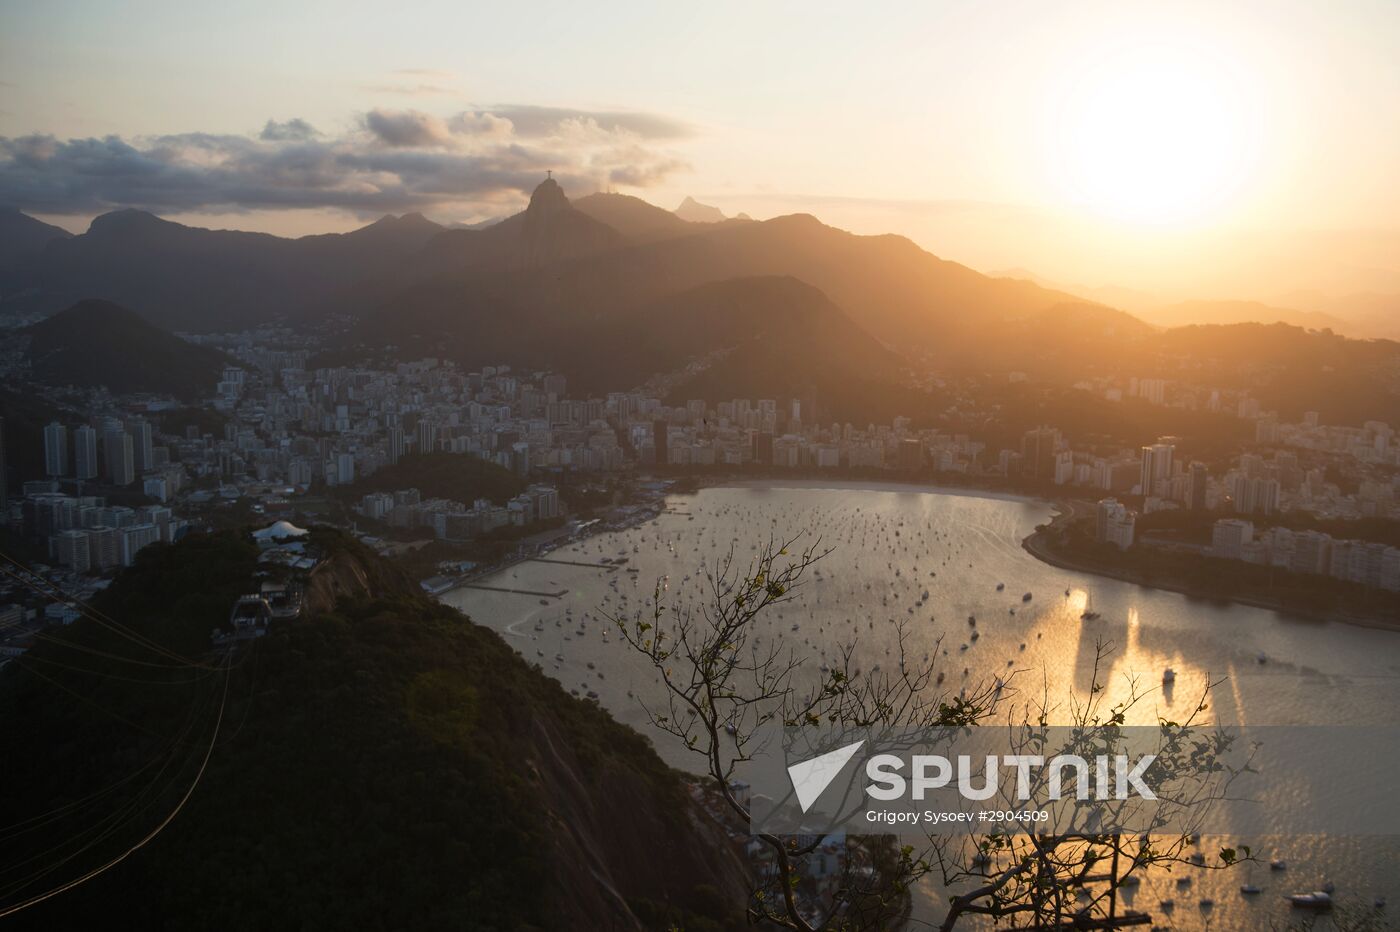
[381,764]
[97,343]
[459,477]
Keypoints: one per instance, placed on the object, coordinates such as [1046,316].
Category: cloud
[438,73]
[645,176]
[295,129]
[408,128]
[390,161]
[543,121]
[410,90]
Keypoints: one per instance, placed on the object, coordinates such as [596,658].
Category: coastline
[879,485]
[1036,543]
[1037,546]
[647,509]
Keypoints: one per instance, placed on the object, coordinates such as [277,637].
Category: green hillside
[381,764]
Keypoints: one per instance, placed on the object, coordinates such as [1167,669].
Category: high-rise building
[1156,467]
[661,441]
[56,450]
[395,450]
[1153,391]
[117,449]
[1229,536]
[1038,448]
[134,539]
[427,436]
[545,501]
[910,455]
[1114,523]
[1312,552]
[1256,495]
[85,453]
[1200,481]
[763,448]
[142,444]
[72,550]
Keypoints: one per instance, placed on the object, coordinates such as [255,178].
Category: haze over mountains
[614,292]
[1357,315]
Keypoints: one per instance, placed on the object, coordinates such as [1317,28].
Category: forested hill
[381,764]
[100,343]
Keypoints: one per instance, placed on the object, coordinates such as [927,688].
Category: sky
[1241,150]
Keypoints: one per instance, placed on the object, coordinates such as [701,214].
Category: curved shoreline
[1035,545]
[876,485]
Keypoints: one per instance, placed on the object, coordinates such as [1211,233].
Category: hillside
[381,764]
[1241,312]
[187,278]
[550,230]
[886,285]
[633,217]
[22,239]
[764,337]
[695,212]
[440,475]
[1346,381]
[97,343]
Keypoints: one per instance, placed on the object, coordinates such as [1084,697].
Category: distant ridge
[695,212]
[632,216]
[22,239]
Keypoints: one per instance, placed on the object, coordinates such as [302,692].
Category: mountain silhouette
[97,343]
[696,212]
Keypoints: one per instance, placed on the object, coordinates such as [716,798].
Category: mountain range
[617,292]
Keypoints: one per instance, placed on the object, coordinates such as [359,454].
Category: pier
[548,595]
[592,566]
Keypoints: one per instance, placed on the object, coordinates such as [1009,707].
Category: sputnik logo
[811,777]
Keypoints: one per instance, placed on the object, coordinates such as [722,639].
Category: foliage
[378,766]
[459,477]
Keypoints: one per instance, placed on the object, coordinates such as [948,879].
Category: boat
[1249,889]
[1262,657]
[1001,586]
[1168,675]
[1278,864]
[1318,899]
[1026,597]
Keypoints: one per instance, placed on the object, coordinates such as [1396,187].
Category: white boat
[1318,899]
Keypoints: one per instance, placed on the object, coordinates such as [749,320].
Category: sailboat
[1089,614]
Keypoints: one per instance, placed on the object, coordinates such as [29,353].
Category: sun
[1155,134]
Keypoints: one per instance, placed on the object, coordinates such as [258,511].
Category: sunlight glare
[1156,135]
